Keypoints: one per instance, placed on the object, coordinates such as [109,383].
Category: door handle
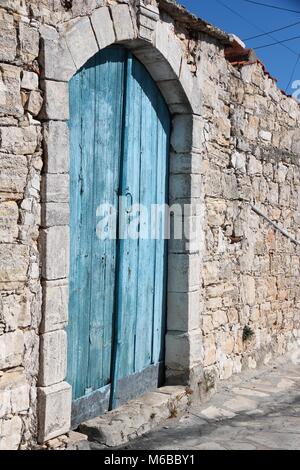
[129,201]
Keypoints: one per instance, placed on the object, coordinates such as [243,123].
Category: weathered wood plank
[108,97]
[159,310]
[148,168]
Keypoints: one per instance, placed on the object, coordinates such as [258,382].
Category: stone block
[56,146]
[9,214]
[14,261]
[183,272]
[14,393]
[209,349]
[188,133]
[185,186]
[265,135]
[81,41]
[55,306]
[29,42]
[10,433]
[167,43]
[172,93]
[10,93]
[154,61]
[183,350]
[56,60]
[55,247]
[54,411]
[8,37]
[211,272]
[30,80]
[189,163]
[122,22]
[55,188]
[254,166]
[54,213]
[34,103]
[216,212]
[103,27]
[186,234]
[16,310]
[56,100]
[238,161]
[184,310]
[11,349]
[193,90]
[248,295]
[148,11]
[19,140]
[219,318]
[84,7]
[296,144]
[13,175]
[53,358]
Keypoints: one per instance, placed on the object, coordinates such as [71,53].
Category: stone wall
[250,146]
[251,270]
[20,167]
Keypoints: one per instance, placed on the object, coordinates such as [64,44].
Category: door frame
[160,51]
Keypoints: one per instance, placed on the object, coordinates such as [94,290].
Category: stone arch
[64,51]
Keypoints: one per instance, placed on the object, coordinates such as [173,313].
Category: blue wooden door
[119,140]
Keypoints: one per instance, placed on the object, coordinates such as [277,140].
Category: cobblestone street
[258,411]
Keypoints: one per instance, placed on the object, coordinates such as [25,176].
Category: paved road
[261,411]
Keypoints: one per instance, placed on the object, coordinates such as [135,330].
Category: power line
[297,54]
[270,32]
[271,6]
[277,42]
[254,25]
[293,72]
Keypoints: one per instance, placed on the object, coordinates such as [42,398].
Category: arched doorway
[119,145]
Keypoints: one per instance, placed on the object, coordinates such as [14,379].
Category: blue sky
[251,20]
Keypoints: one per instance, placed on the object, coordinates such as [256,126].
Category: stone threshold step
[129,421]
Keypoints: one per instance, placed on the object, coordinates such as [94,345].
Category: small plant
[248,333]
[173,410]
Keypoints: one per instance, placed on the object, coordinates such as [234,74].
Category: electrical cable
[276,43]
[270,32]
[271,6]
[293,72]
[254,25]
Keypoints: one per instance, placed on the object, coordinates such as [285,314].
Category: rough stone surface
[55,304]
[54,411]
[103,27]
[19,140]
[10,95]
[13,176]
[81,40]
[137,417]
[122,22]
[8,37]
[11,349]
[269,422]
[53,358]
[56,140]
[55,240]
[56,102]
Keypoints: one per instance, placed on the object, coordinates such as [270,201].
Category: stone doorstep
[135,418]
